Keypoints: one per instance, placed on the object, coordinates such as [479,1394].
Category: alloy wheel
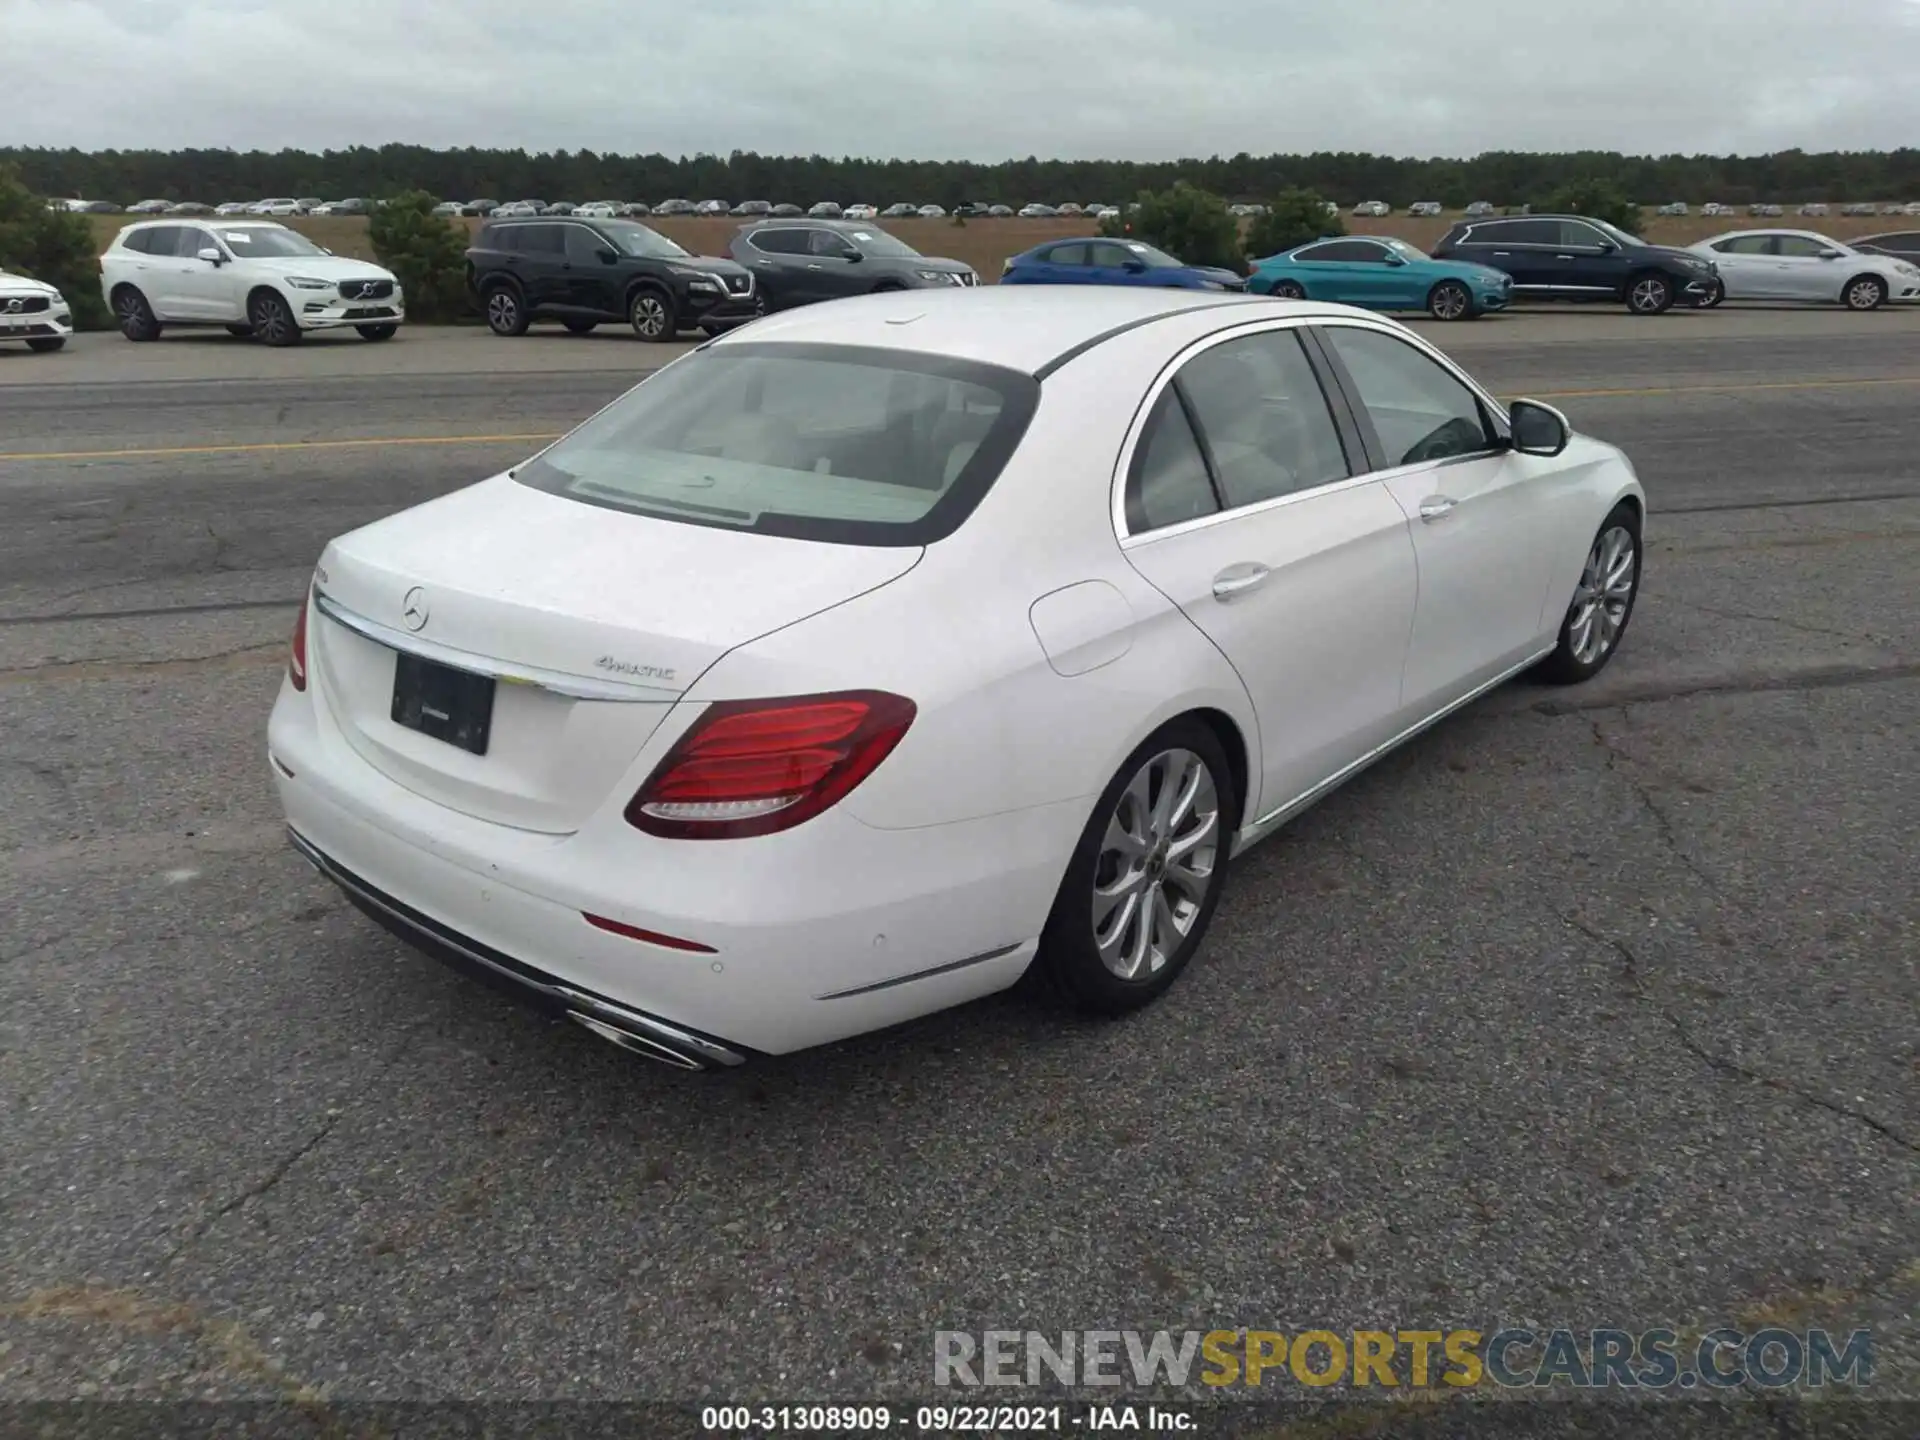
[272,321]
[502,310]
[649,316]
[1289,290]
[1649,296]
[1863,295]
[1449,302]
[1158,859]
[1603,596]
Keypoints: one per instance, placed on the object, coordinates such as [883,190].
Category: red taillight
[297,654]
[753,767]
[650,937]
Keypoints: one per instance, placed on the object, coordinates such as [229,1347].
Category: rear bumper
[828,931]
[625,1026]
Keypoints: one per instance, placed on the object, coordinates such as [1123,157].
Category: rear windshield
[843,444]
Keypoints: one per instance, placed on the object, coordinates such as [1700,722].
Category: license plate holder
[454,706]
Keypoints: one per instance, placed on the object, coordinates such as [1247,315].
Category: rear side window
[542,239]
[780,242]
[1746,245]
[843,444]
[138,241]
[1169,482]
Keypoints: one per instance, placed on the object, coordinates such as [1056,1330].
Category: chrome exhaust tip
[637,1044]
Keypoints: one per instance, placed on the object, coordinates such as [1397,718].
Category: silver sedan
[1806,266]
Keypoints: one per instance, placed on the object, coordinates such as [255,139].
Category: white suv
[33,312]
[254,277]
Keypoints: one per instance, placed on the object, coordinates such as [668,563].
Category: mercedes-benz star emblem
[413,609]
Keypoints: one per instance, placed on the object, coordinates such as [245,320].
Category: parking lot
[1590,1007]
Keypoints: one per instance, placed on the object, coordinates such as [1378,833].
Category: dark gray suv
[798,262]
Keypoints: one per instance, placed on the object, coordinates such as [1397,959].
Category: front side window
[640,241]
[1110,255]
[1169,481]
[1264,418]
[254,242]
[192,241]
[819,442]
[829,245]
[583,246]
[1420,410]
[1075,254]
[1582,235]
[1804,247]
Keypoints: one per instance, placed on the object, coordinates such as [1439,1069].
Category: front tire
[652,316]
[1141,888]
[506,312]
[1450,300]
[1864,292]
[46,344]
[377,332]
[1649,295]
[1288,290]
[137,320]
[272,319]
[1602,604]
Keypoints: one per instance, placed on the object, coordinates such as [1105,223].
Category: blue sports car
[1379,273]
[1097,260]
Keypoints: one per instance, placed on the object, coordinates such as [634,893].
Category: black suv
[582,272]
[797,262]
[1569,257]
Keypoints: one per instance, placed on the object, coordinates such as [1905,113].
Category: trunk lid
[593,622]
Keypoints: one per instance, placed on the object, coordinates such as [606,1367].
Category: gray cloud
[979,79]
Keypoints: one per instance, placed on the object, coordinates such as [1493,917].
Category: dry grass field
[984,244]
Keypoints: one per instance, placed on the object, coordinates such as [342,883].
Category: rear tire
[377,332]
[1450,300]
[506,311]
[1152,860]
[272,319]
[1864,292]
[582,327]
[1649,294]
[652,316]
[1603,600]
[137,321]
[46,344]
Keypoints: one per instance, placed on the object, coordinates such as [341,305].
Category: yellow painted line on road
[372,441]
[1732,388]
[375,442]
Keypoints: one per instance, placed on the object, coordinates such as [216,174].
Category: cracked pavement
[1594,1007]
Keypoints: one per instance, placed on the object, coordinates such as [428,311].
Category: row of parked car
[258,278]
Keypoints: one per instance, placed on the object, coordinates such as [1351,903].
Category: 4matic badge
[627,667]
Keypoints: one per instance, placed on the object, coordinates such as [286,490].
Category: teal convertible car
[1379,273]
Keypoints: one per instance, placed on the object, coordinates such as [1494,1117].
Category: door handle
[1437,507]
[816,267]
[1238,579]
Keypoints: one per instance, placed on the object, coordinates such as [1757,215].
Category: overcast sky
[967,79]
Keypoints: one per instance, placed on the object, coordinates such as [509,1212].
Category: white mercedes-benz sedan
[866,659]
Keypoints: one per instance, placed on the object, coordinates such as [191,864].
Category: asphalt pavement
[1593,1007]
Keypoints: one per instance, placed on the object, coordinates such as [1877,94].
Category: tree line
[1500,177]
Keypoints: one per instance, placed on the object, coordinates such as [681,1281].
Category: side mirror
[1538,429]
[1830,254]
[609,257]
[211,255]
[1607,247]
[1135,267]
[852,257]
[1393,259]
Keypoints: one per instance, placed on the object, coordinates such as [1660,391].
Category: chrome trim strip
[615,1015]
[946,969]
[1251,835]
[574,687]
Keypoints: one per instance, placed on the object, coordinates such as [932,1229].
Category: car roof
[816,222]
[1025,328]
[1770,230]
[227,222]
